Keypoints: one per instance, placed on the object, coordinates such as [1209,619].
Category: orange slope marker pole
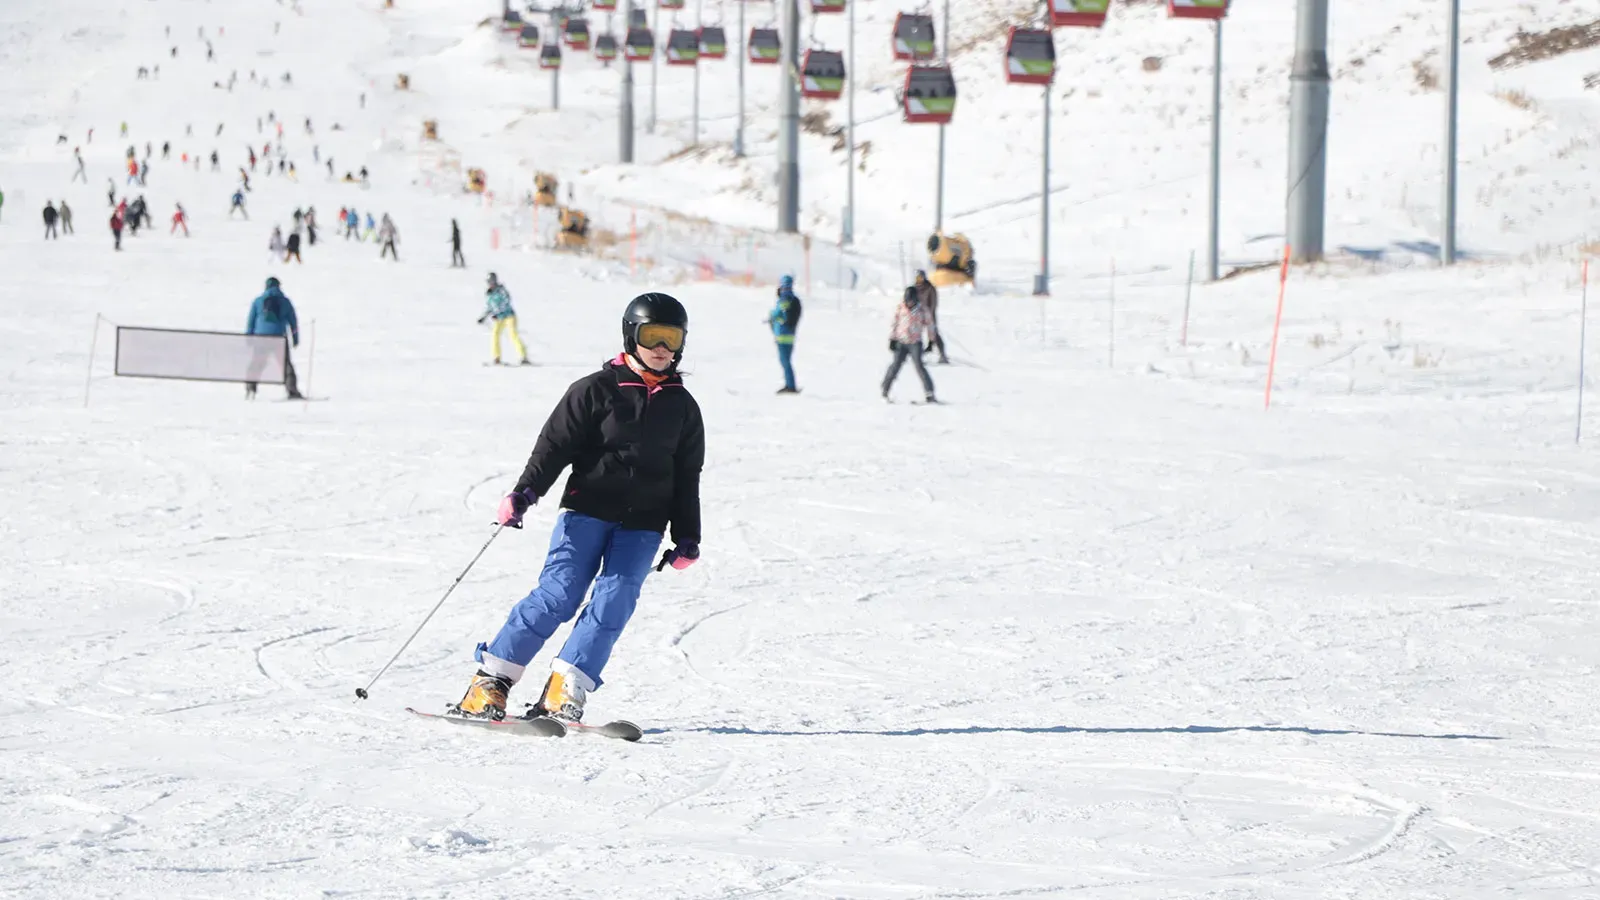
[1277,322]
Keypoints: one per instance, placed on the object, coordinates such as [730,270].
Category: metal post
[555,74]
[1214,224]
[744,57]
[789,122]
[944,58]
[1308,131]
[1452,66]
[1041,282]
[625,115]
[699,18]
[655,64]
[848,234]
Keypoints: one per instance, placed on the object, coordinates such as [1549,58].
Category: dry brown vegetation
[1533,46]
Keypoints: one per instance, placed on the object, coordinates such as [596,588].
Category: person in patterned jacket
[910,332]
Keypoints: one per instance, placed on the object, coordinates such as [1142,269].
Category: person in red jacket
[180,219]
[116,227]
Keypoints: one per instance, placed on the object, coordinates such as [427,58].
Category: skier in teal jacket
[785,322]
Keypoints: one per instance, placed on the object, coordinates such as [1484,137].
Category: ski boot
[563,698]
[485,699]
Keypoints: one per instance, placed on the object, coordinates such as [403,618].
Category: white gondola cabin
[765,47]
[1030,56]
[822,74]
[914,36]
[929,94]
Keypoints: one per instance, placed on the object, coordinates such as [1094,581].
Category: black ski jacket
[635,452]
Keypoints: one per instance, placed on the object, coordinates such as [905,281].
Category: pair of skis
[541,726]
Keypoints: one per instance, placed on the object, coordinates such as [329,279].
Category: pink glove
[512,507]
[680,557]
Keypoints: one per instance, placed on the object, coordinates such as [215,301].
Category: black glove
[482,317]
[893,345]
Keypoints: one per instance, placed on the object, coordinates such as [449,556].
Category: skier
[352,223]
[273,314]
[50,217]
[311,225]
[111,192]
[292,249]
[505,320]
[116,228]
[144,173]
[905,340]
[216,162]
[636,443]
[457,261]
[387,236]
[238,204]
[371,229]
[166,149]
[244,177]
[180,219]
[275,243]
[66,218]
[928,297]
[785,321]
[78,156]
[252,160]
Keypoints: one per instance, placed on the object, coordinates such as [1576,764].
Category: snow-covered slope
[1098,627]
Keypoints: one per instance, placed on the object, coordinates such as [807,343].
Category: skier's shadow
[1076,729]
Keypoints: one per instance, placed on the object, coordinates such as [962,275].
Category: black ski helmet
[653,308]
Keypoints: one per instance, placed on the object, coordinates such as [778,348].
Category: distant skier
[50,216]
[371,229]
[635,440]
[66,218]
[166,149]
[252,159]
[273,314]
[180,219]
[457,261]
[292,249]
[311,225]
[116,228]
[80,174]
[505,320]
[905,341]
[785,322]
[352,225]
[387,237]
[275,243]
[216,162]
[238,204]
[928,297]
[111,192]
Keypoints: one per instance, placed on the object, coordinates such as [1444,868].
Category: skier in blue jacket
[785,321]
[272,314]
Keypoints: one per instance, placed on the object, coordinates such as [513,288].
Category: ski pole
[361,693]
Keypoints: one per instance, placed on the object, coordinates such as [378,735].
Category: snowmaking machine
[951,255]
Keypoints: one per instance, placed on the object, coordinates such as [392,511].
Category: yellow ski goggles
[653,335]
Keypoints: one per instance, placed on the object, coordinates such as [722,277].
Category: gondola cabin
[605,47]
[683,47]
[1030,56]
[822,74]
[827,6]
[1197,9]
[913,36]
[765,46]
[713,42]
[528,37]
[639,44]
[550,56]
[929,94]
[1079,13]
[671,4]
[576,33]
[605,5]
[638,18]
[512,22]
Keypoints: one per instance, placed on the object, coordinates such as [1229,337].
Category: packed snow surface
[1099,626]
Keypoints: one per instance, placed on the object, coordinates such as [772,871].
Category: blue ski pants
[785,359]
[581,547]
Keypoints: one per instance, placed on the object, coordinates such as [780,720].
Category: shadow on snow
[1073,729]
